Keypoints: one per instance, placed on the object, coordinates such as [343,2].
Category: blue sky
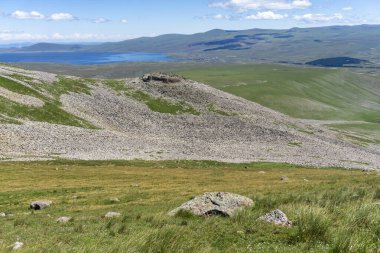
[115,20]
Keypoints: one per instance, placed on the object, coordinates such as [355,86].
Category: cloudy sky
[115,20]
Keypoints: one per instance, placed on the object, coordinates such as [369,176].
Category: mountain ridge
[295,45]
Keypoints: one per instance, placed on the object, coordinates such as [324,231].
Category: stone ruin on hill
[161,78]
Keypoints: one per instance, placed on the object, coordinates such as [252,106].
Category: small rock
[215,203]
[276,217]
[114,200]
[17,245]
[284,178]
[64,219]
[41,204]
[112,215]
[3,215]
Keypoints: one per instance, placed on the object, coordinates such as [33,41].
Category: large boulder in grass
[276,217]
[40,204]
[214,203]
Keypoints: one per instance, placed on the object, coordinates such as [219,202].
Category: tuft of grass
[213,108]
[376,194]
[184,214]
[311,225]
[295,144]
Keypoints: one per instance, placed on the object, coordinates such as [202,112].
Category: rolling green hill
[301,92]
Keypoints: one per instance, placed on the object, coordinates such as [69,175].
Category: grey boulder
[64,219]
[214,203]
[40,204]
[276,217]
[17,245]
[112,215]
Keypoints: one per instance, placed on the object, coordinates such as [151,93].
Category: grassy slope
[51,112]
[155,104]
[331,210]
[361,133]
[308,93]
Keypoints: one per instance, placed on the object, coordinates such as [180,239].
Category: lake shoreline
[83,58]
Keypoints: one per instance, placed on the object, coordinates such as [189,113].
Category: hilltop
[46,116]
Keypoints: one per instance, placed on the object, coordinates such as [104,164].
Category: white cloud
[101,20]
[124,21]
[27,15]
[6,36]
[266,15]
[219,16]
[244,5]
[319,17]
[215,16]
[62,16]
[348,8]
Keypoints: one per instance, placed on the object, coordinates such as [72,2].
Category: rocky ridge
[203,124]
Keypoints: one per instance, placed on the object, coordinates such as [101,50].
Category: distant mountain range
[296,45]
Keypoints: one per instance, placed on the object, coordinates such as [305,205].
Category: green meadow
[332,209]
[300,92]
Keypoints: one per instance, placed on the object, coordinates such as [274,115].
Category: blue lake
[83,58]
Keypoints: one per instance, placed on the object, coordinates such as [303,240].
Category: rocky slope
[71,118]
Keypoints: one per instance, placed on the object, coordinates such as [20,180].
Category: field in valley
[333,210]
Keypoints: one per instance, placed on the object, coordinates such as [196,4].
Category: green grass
[155,104]
[301,92]
[21,77]
[65,85]
[19,88]
[51,112]
[162,105]
[116,85]
[363,133]
[215,109]
[331,212]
